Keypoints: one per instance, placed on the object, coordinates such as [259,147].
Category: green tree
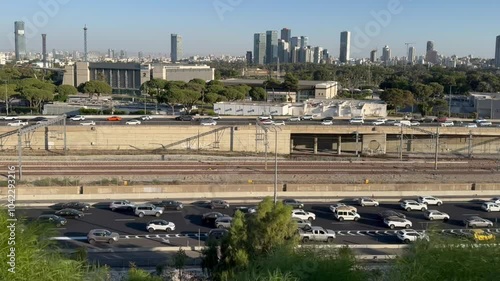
[232,94]
[189,98]
[291,83]
[170,97]
[136,274]
[64,91]
[154,87]
[397,98]
[179,263]
[212,98]
[321,75]
[94,87]
[258,94]
[272,83]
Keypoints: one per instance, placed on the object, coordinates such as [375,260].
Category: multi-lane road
[190,231]
[224,121]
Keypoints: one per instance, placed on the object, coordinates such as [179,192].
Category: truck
[18,123]
[317,234]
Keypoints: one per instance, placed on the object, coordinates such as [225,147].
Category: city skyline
[224,27]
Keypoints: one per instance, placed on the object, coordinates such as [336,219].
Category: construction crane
[407,52]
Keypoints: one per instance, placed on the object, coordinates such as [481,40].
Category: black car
[39,119]
[76,205]
[217,234]
[54,219]
[294,203]
[170,205]
[209,218]
[184,118]
[70,213]
[389,213]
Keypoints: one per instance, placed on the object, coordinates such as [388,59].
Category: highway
[224,121]
[190,231]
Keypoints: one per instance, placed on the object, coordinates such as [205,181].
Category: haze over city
[226,27]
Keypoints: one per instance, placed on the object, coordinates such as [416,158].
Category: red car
[114,118]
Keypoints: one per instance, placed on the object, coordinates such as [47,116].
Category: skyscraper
[44,50]
[317,55]
[259,48]
[283,51]
[304,41]
[249,57]
[294,42]
[20,40]
[286,34]
[411,55]
[175,48]
[373,56]
[386,54]
[271,46]
[345,46]
[497,52]
[430,46]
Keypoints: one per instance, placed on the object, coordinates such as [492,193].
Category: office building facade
[176,51]
[373,56]
[283,51]
[249,57]
[386,54]
[20,40]
[345,46]
[271,46]
[259,48]
[411,55]
[286,35]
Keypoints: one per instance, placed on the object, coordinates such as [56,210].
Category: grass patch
[55,182]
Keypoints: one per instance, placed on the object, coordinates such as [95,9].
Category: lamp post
[275,130]
[6,100]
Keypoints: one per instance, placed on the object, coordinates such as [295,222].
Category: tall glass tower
[20,40]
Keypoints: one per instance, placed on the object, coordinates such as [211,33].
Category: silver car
[121,205]
[223,222]
[148,210]
[302,224]
[476,221]
[102,235]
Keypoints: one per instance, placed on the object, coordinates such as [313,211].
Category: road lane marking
[87,214]
[470,214]
[66,238]
[124,219]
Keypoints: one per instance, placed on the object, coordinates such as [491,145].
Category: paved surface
[190,231]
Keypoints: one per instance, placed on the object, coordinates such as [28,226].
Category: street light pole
[6,100]
[275,130]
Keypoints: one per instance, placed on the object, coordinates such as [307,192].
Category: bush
[56,182]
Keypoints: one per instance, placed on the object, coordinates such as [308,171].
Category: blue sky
[460,27]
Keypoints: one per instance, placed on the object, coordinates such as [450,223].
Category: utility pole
[470,144]
[357,143]
[449,104]
[6,100]
[401,144]
[437,150]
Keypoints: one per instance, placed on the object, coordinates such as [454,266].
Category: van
[346,213]
[403,123]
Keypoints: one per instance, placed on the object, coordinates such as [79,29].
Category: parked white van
[346,213]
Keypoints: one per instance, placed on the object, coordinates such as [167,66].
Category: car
[447,124]
[146,117]
[18,123]
[265,117]
[441,119]
[215,117]
[401,123]
[436,215]
[208,122]
[379,122]
[121,205]
[327,122]
[412,205]
[217,234]
[390,213]
[294,203]
[133,122]
[219,204]
[335,206]
[54,219]
[114,118]
[102,236]
[357,121]
[346,213]
[365,201]
[301,214]
[391,122]
[88,123]
[39,120]
[490,207]
[485,124]
[414,123]
[317,234]
[209,218]
[223,222]
[170,205]
[162,225]
[184,118]
[470,125]
[410,235]
[302,224]
[10,117]
[328,118]
[147,210]
[70,213]
[76,205]
[393,222]
[245,210]
[307,117]
[480,120]
[478,235]
[279,123]
[266,122]
[77,118]
[430,200]
[294,119]
[495,200]
[475,221]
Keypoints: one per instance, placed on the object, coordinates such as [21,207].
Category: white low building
[252,109]
[345,108]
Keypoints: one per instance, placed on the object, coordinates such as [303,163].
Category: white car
[307,117]
[77,118]
[436,215]
[414,123]
[447,124]
[162,225]
[410,235]
[208,122]
[379,122]
[412,205]
[294,119]
[303,215]
[490,207]
[10,118]
[335,206]
[365,201]
[279,123]
[215,117]
[327,122]
[17,123]
[480,120]
[146,117]
[430,200]
[470,125]
[495,200]
[88,123]
[133,122]
[485,124]
[393,222]
[356,121]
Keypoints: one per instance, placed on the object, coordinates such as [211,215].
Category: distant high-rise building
[317,55]
[259,48]
[430,46]
[249,57]
[283,51]
[386,54]
[286,35]
[113,54]
[271,46]
[140,55]
[44,50]
[175,48]
[110,54]
[497,52]
[373,56]
[20,40]
[345,46]
[411,55]
[123,54]
[85,50]
[325,56]
[294,42]
[304,41]
[294,54]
